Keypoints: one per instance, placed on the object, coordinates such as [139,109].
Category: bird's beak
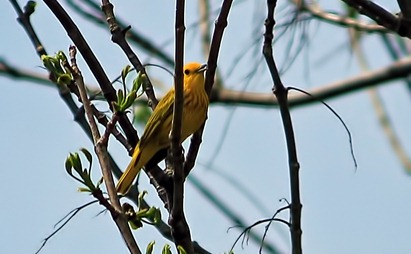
[202,68]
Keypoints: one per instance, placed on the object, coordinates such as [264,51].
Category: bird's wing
[159,122]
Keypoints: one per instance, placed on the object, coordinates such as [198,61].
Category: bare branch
[280,93]
[220,25]
[383,17]
[395,71]
[314,9]
[179,227]
[405,7]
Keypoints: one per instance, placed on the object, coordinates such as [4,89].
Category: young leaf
[181,250]
[124,72]
[166,249]
[150,247]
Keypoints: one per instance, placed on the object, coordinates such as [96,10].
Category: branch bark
[281,94]
[383,17]
[179,227]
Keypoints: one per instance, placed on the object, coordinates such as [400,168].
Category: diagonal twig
[102,154]
[94,65]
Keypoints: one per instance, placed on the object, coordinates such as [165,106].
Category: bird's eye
[187,71]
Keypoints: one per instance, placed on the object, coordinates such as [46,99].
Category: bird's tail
[127,178]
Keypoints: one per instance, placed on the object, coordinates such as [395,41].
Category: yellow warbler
[157,130]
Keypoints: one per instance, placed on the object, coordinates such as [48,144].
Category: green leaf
[181,250]
[140,198]
[82,189]
[135,224]
[76,162]
[61,56]
[57,69]
[124,72]
[129,100]
[144,81]
[68,165]
[89,157]
[100,182]
[64,79]
[47,62]
[166,249]
[142,213]
[151,213]
[120,96]
[137,82]
[117,107]
[87,154]
[157,216]
[150,247]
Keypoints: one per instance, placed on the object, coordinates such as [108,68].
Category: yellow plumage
[158,127]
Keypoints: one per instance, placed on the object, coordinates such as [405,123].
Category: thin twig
[63,222]
[102,155]
[350,140]
[246,231]
[269,224]
[234,218]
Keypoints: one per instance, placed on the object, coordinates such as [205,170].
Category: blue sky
[344,210]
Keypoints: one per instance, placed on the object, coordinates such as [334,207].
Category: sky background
[344,210]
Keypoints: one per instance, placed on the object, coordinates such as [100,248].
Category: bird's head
[194,74]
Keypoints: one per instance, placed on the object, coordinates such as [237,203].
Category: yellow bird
[156,133]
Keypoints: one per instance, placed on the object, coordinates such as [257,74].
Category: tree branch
[137,38]
[118,37]
[220,25]
[314,9]
[49,80]
[397,70]
[375,12]
[405,7]
[281,94]
[101,151]
[94,65]
[179,227]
